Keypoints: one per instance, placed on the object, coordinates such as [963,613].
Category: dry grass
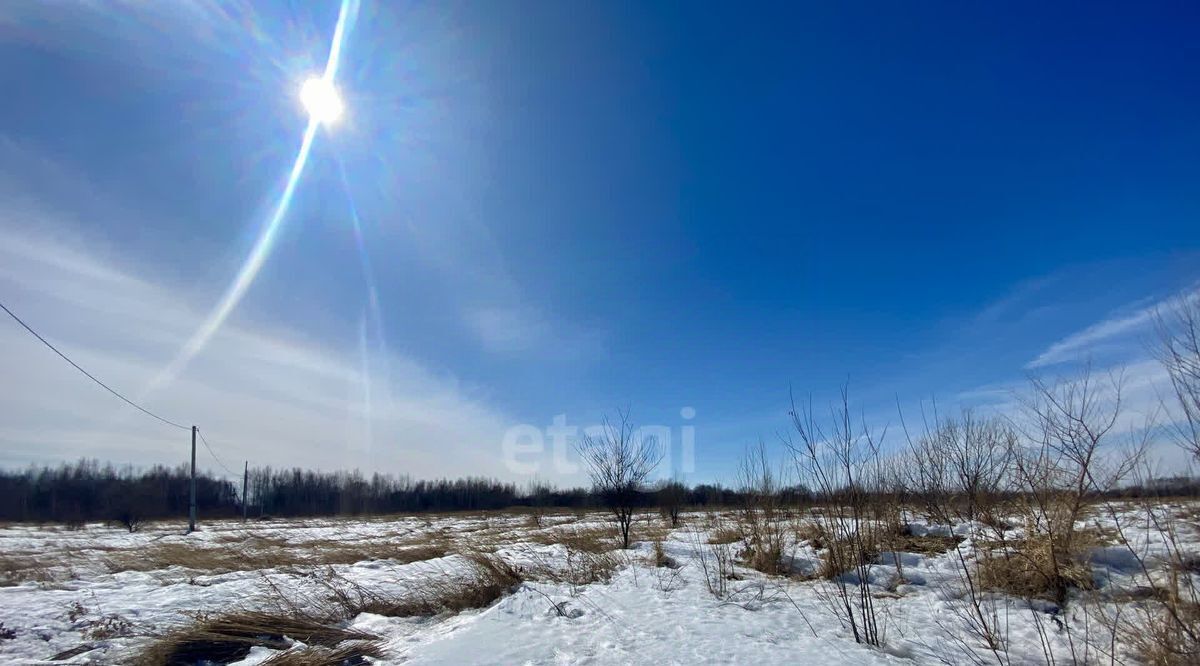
[845,554]
[660,557]
[1157,639]
[321,656]
[488,579]
[226,559]
[226,638]
[1033,568]
[812,532]
[17,569]
[584,539]
[725,534]
[928,544]
[319,622]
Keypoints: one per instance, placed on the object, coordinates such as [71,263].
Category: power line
[89,375]
[213,454]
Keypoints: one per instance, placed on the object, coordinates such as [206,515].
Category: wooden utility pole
[245,482]
[192,503]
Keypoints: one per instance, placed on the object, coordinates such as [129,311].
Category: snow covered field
[101,595]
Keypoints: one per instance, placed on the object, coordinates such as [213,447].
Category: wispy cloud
[519,330]
[259,392]
[1131,320]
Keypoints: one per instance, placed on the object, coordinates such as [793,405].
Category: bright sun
[321,100]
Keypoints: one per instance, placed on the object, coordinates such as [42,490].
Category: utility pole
[192,504]
[245,482]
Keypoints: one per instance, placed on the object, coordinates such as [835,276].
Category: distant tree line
[89,491]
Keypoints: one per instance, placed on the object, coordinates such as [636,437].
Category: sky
[546,212]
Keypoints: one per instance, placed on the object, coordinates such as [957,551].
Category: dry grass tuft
[17,569]
[1034,568]
[227,559]
[845,554]
[355,653]
[488,579]
[585,540]
[725,534]
[928,544]
[812,532]
[226,638]
[661,559]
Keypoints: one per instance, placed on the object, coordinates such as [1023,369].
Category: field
[515,587]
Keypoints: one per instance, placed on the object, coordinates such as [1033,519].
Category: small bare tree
[1179,352]
[761,517]
[619,461]
[672,495]
[841,461]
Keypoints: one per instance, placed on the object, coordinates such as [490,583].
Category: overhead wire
[87,374]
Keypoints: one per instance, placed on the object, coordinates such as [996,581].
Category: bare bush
[715,562]
[619,461]
[1064,463]
[1179,352]
[760,518]
[671,498]
[841,462]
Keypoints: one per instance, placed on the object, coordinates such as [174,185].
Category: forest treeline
[88,491]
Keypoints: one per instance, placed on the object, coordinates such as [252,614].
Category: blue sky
[568,208]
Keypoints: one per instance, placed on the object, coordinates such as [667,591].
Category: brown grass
[321,656]
[725,534]
[229,637]
[844,554]
[226,559]
[319,622]
[17,569]
[925,545]
[812,532]
[489,579]
[584,539]
[1033,568]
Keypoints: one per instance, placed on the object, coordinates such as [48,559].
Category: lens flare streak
[262,246]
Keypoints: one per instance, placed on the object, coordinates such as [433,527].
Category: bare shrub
[842,464]
[761,519]
[715,562]
[671,498]
[1163,625]
[1065,461]
[619,460]
[1179,353]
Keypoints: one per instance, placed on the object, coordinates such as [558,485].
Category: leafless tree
[671,498]
[841,461]
[760,518]
[619,461]
[1179,352]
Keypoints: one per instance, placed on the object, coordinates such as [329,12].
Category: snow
[643,615]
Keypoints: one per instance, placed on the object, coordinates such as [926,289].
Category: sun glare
[321,100]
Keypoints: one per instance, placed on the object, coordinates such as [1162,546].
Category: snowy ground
[99,594]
